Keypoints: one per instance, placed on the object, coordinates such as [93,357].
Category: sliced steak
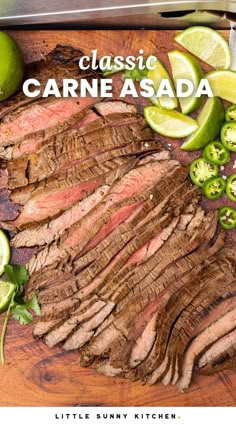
[107,108]
[8,210]
[117,247]
[115,119]
[77,237]
[54,196]
[113,267]
[41,119]
[80,120]
[45,233]
[159,304]
[196,295]
[79,336]
[221,351]
[60,63]
[131,306]
[170,282]
[218,329]
[69,148]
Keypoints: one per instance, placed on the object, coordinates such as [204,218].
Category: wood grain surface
[35,375]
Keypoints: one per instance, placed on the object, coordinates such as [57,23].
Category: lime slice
[11,66]
[6,291]
[156,75]
[223,84]
[5,251]
[207,44]
[210,121]
[169,123]
[184,66]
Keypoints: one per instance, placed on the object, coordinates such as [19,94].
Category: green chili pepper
[228,136]
[214,187]
[230,114]
[215,153]
[201,170]
[231,187]
[227,218]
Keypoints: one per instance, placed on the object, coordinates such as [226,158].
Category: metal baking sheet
[22,12]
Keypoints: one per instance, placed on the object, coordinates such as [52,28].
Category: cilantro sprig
[18,308]
[135,74]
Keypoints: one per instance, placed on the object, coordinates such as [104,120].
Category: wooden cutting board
[35,375]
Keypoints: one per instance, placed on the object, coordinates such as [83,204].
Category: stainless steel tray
[22,12]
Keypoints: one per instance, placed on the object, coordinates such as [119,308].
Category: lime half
[184,66]
[169,123]
[223,84]
[11,66]
[210,121]
[6,291]
[5,251]
[158,74]
[207,44]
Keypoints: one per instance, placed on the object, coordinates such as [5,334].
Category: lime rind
[169,123]
[11,66]
[210,121]
[156,75]
[223,84]
[7,290]
[5,251]
[184,66]
[207,44]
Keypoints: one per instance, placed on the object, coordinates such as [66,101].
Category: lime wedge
[5,251]
[207,44]
[223,84]
[210,121]
[184,66]
[156,75]
[6,291]
[169,123]
[11,66]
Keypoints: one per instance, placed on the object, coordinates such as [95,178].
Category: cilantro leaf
[113,69]
[33,304]
[16,274]
[21,312]
[18,308]
[22,315]
[135,74]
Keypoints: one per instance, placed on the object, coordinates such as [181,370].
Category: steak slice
[81,119]
[60,63]
[73,241]
[115,119]
[33,142]
[218,329]
[8,210]
[45,233]
[40,117]
[183,312]
[107,108]
[69,148]
[221,354]
[52,197]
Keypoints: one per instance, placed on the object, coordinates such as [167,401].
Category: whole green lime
[11,66]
